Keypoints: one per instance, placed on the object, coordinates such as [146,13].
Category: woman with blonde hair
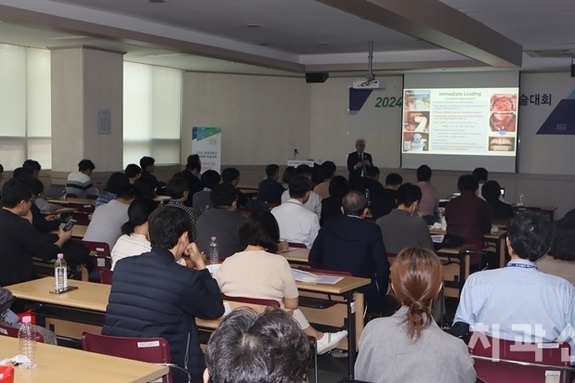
[409,346]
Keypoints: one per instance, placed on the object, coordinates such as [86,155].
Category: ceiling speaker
[316,77]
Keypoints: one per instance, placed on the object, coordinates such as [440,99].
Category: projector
[369,84]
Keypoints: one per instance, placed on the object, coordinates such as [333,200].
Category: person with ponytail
[134,239]
[409,347]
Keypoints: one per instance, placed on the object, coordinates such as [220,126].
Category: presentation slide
[460,121]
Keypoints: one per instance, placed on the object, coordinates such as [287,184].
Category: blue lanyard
[522,265]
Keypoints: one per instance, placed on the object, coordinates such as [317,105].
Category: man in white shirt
[297,224]
[313,203]
[79,183]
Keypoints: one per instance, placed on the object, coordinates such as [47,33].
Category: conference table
[58,364]
[87,306]
[90,201]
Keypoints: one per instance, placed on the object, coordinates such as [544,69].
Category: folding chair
[487,348]
[106,276]
[296,244]
[12,332]
[152,350]
[255,301]
[101,257]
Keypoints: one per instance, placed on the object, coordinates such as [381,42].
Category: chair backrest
[6,329]
[328,272]
[106,276]
[554,354]
[100,254]
[81,218]
[255,301]
[151,350]
[504,371]
[92,196]
[295,244]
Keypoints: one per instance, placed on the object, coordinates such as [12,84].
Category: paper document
[307,277]
[289,249]
[437,238]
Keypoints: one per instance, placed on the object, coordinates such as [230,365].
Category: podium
[315,175]
[296,163]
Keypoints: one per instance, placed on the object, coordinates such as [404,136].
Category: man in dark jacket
[154,296]
[348,243]
[191,175]
[358,162]
[376,191]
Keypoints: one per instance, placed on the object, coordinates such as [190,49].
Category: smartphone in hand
[69,225]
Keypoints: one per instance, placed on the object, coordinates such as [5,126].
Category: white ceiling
[290,30]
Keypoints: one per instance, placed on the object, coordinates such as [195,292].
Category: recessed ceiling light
[322,43]
[67,37]
[254,26]
[264,44]
[165,55]
[157,1]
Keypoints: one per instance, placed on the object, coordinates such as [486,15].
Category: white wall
[263,119]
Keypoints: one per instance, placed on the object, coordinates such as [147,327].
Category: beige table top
[295,254]
[78,231]
[496,235]
[62,210]
[57,364]
[345,285]
[80,201]
[91,296]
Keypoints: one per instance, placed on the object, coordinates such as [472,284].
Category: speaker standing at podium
[358,162]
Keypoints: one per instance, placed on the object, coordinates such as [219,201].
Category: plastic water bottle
[214,254]
[368,196]
[64,195]
[60,274]
[520,200]
[27,342]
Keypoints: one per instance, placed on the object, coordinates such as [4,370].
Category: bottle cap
[213,238]
[27,319]
[60,256]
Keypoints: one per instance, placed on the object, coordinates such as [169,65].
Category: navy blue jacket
[154,296]
[351,244]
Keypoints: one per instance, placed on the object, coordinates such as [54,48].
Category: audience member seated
[38,188]
[348,243]
[468,216]
[34,165]
[9,318]
[19,240]
[416,349]
[222,222]
[392,182]
[519,301]
[232,176]
[1,176]
[429,195]
[482,175]
[191,175]
[492,195]
[146,187]
[269,189]
[134,239]
[79,183]
[116,181]
[177,189]
[376,192]
[202,201]
[296,223]
[42,223]
[561,258]
[107,220]
[313,203]
[289,173]
[147,164]
[252,347]
[331,206]
[133,172]
[249,274]
[153,296]
[327,171]
[403,227]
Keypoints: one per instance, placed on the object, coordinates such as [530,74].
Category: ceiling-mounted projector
[369,84]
